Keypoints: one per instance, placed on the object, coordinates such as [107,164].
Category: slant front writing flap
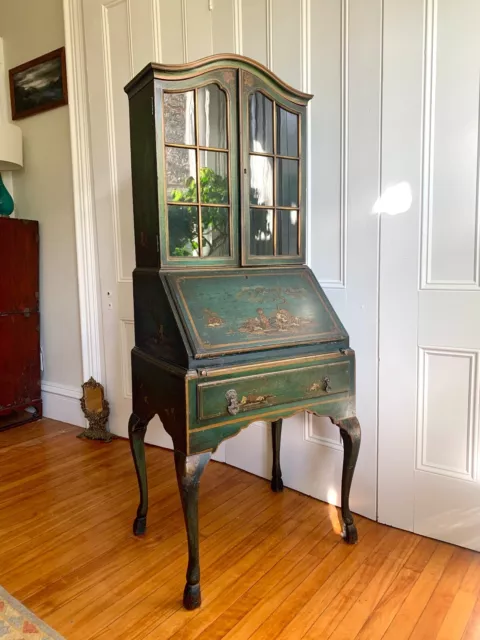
[251,310]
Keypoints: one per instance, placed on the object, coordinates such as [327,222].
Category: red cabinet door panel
[19,263]
[19,359]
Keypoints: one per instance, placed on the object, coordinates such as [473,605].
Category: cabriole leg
[137,429]
[189,471]
[276,484]
[351,436]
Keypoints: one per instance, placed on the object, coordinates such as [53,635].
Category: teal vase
[6,200]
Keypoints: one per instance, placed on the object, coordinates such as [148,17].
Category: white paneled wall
[319,46]
[429,287]
[396,87]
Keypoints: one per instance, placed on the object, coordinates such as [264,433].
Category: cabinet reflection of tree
[213,188]
[183,225]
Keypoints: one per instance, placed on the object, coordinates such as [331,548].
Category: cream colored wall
[43,191]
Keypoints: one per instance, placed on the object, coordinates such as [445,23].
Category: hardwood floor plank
[166,585]
[410,612]
[311,608]
[432,617]
[383,614]
[219,594]
[456,620]
[273,565]
[472,631]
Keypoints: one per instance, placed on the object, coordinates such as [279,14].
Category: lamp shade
[11,153]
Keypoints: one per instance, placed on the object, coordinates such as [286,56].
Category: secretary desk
[231,326]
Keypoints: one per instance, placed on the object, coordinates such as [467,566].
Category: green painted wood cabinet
[231,326]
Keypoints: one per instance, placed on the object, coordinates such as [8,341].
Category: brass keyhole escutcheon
[326,384]
[232,402]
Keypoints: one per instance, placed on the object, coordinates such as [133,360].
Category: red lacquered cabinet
[20,395]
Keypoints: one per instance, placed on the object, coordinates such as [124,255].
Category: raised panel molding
[315,438]
[450,402]
[238,26]
[157,31]
[269,7]
[83,199]
[341,282]
[427,281]
[306,87]
[110,118]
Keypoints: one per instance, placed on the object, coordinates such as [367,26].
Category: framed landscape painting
[39,85]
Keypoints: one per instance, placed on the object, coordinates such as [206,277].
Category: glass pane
[287,183]
[215,231]
[287,133]
[287,232]
[179,117]
[183,231]
[181,169]
[213,177]
[261,180]
[261,232]
[212,117]
[261,123]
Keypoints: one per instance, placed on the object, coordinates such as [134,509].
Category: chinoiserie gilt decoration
[96,410]
[231,326]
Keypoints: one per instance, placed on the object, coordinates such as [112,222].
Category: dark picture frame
[39,85]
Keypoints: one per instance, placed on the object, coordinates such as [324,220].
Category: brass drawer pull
[325,386]
[232,399]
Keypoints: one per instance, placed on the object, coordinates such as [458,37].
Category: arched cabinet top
[189,70]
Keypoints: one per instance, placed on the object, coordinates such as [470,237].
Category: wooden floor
[273,565]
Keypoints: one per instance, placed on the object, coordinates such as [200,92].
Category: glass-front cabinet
[231,325]
[229,144]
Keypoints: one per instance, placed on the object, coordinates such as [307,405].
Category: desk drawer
[244,394]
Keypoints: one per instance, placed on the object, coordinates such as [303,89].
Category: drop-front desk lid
[234,311]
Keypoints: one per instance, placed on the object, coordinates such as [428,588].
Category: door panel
[334,52]
[19,278]
[429,285]
[19,359]
[119,42]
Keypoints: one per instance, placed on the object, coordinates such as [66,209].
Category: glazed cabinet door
[197,159]
[273,173]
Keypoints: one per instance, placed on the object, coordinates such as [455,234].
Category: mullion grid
[274,156]
[198,148]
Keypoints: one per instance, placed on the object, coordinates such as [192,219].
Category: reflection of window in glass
[197,174]
[274,178]
[261,180]
[261,232]
[287,132]
[261,123]
[287,232]
[287,183]
[212,115]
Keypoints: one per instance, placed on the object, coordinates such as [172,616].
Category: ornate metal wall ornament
[96,410]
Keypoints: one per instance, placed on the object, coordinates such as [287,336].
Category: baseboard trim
[62,402]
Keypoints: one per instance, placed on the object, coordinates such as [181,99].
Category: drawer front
[244,394]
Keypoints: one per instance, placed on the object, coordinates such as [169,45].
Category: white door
[315,45]
[430,280]
[118,43]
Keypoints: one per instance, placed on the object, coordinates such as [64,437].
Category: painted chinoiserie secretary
[231,326]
